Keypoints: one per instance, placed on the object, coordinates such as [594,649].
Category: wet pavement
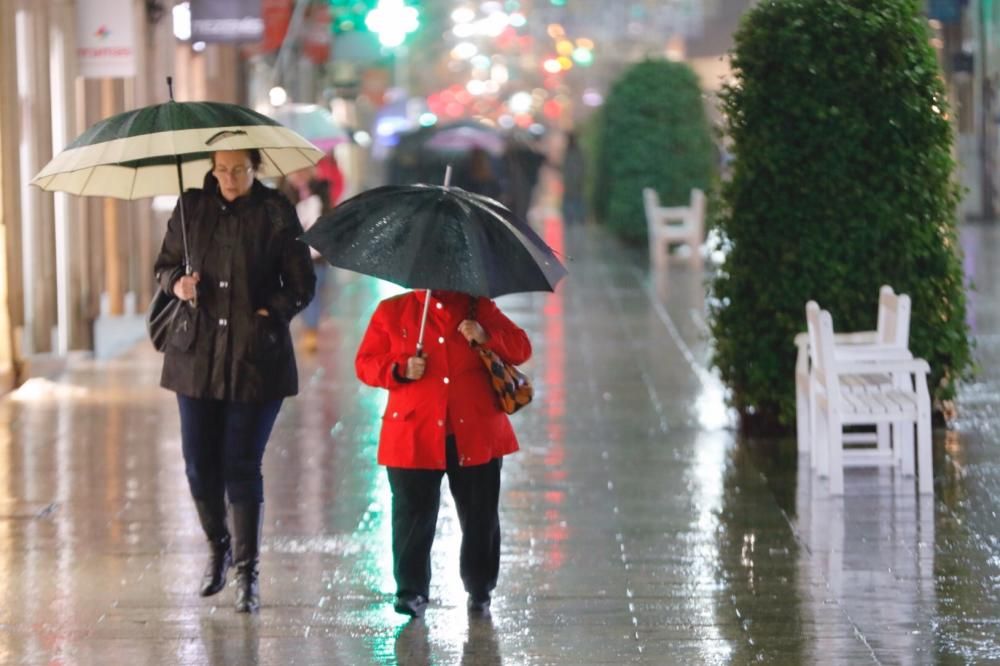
[637,527]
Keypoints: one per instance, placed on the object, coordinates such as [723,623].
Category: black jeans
[223,446]
[416,496]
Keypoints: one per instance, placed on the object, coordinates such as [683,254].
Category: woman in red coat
[442,418]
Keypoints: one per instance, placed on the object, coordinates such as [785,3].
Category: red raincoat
[454,394]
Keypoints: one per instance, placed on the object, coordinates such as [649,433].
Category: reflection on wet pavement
[637,529]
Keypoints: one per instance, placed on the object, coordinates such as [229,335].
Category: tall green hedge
[843,180]
[652,132]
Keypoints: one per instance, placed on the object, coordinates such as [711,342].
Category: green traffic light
[392,21]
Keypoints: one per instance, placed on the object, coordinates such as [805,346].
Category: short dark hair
[252,153]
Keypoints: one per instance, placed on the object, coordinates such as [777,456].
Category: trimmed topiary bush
[653,133]
[842,181]
[595,177]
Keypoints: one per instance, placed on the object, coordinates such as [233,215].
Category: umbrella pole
[180,204]
[188,270]
[423,323]
[427,297]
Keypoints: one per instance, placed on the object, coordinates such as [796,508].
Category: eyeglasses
[236,173]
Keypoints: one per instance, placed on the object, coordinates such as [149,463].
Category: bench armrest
[916,366]
[871,353]
[856,338]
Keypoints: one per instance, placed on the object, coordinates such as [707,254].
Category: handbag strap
[473,304]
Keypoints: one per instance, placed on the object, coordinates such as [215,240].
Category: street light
[392,21]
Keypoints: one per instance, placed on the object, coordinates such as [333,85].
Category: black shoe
[214,578]
[413,605]
[247,590]
[212,515]
[246,554]
[479,605]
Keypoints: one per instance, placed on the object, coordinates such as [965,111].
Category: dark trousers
[416,495]
[223,446]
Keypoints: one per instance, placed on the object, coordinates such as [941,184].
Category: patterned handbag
[513,388]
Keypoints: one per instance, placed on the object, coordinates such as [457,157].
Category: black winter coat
[249,257]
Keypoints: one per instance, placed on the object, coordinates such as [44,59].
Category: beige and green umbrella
[156,149]
[135,154]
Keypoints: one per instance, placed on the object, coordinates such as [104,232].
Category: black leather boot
[213,520]
[246,553]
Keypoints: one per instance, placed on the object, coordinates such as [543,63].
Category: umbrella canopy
[436,237]
[465,138]
[314,123]
[134,154]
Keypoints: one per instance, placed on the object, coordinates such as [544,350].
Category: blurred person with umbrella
[522,164]
[313,194]
[479,175]
[229,359]
[442,417]
[573,173]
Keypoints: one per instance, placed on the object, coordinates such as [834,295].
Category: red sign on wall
[318,33]
[277,15]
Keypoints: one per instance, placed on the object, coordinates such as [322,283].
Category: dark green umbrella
[134,155]
[436,237]
[153,150]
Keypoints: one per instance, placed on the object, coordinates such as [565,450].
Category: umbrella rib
[266,155]
[135,179]
[83,188]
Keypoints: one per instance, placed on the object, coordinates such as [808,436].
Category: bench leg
[882,436]
[802,412]
[835,452]
[925,471]
[819,440]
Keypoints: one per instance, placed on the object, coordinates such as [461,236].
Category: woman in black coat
[232,364]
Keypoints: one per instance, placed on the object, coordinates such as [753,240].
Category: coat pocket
[399,434]
[269,336]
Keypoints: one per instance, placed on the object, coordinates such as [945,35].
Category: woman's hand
[186,287]
[415,367]
[472,331]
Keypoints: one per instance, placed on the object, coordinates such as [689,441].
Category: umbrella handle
[423,323]
[188,270]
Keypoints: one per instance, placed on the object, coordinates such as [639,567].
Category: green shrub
[842,181]
[653,133]
[595,177]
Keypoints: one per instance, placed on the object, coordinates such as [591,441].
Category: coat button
[440,423]
[395,414]
[441,339]
[439,306]
[223,285]
[446,380]
[223,322]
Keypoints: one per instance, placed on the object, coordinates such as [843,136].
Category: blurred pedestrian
[478,174]
[522,164]
[573,170]
[311,193]
[328,170]
[442,418]
[232,372]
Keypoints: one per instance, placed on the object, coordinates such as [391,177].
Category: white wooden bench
[890,339]
[902,404]
[674,225]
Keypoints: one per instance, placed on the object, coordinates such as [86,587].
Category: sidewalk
[636,528]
